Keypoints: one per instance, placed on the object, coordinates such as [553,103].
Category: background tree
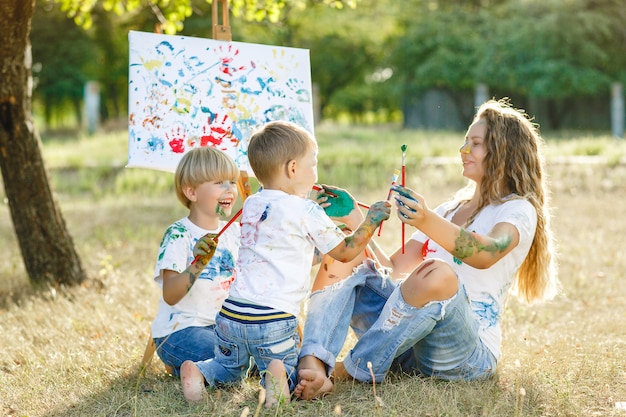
[62,53]
[112,62]
[438,50]
[549,50]
[47,247]
[558,54]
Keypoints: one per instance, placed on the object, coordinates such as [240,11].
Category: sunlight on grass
[109,149]
[76,352]
[355,157]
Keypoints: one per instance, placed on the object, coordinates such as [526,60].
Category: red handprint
[177,141]
[226,65]
[216,132]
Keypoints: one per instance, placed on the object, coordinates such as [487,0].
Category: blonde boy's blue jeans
[189,344]
[439,339]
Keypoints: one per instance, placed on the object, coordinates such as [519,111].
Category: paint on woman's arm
[467,244]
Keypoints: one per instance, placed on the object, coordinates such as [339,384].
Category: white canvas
[186,92]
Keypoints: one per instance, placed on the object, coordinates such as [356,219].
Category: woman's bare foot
[192,382]
[276,385]
[340,373]
[313,382]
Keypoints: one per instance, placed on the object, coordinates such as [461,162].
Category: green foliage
[112,62]
[348,59]
[375,101]
[555,48]
[542,48]
[172,13]
[331,68]
[62,54]
[441,48]
[552,50]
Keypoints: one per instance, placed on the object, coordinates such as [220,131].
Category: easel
[221,32]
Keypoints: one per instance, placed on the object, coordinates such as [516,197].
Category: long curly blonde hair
[514,165]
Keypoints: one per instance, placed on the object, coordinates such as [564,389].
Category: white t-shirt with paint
[279,234]
[204,300]
[487,289]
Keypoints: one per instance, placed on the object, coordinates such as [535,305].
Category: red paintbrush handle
[231,221]
[403,184]
[226,226]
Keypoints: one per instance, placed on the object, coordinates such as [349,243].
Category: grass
[76,352]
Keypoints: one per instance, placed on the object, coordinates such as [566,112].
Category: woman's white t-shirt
[487,289]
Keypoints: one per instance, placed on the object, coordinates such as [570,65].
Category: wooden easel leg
[149,352]
[243,185]
[221,32]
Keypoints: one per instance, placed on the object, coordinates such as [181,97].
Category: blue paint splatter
[155,143]
[265,214]
[487,311]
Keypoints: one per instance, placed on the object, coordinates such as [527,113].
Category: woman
[467,255]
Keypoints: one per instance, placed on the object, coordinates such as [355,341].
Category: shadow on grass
[159,394]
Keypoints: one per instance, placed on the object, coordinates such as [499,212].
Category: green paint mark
[219,210]
[467,244]
[403,147]
[341,205]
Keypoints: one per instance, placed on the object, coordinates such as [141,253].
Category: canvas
[186,92]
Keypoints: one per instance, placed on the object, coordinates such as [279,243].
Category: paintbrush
[226,226]
[333,195]
[394,180]
[403,183]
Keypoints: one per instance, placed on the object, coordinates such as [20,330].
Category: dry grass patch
[76,352]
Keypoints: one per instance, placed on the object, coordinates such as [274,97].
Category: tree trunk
[47,247]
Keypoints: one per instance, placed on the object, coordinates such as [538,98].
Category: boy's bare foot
[313,382]
[192,382]
[276,385]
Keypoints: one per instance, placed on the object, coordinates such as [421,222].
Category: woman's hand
[412,208]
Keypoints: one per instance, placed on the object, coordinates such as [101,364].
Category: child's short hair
[274,145]
[200,165]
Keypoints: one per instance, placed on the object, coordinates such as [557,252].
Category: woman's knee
[432,280]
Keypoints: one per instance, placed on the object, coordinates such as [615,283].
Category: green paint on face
[341,205]
[219,210]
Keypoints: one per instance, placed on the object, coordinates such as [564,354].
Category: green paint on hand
[341,205]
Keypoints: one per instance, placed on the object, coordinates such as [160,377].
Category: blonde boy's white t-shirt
[204,300]
[487,289]
[279,234]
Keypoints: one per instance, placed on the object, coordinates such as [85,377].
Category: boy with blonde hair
[281,229]
[193,292]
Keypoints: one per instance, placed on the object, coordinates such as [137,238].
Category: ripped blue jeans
[439,339]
